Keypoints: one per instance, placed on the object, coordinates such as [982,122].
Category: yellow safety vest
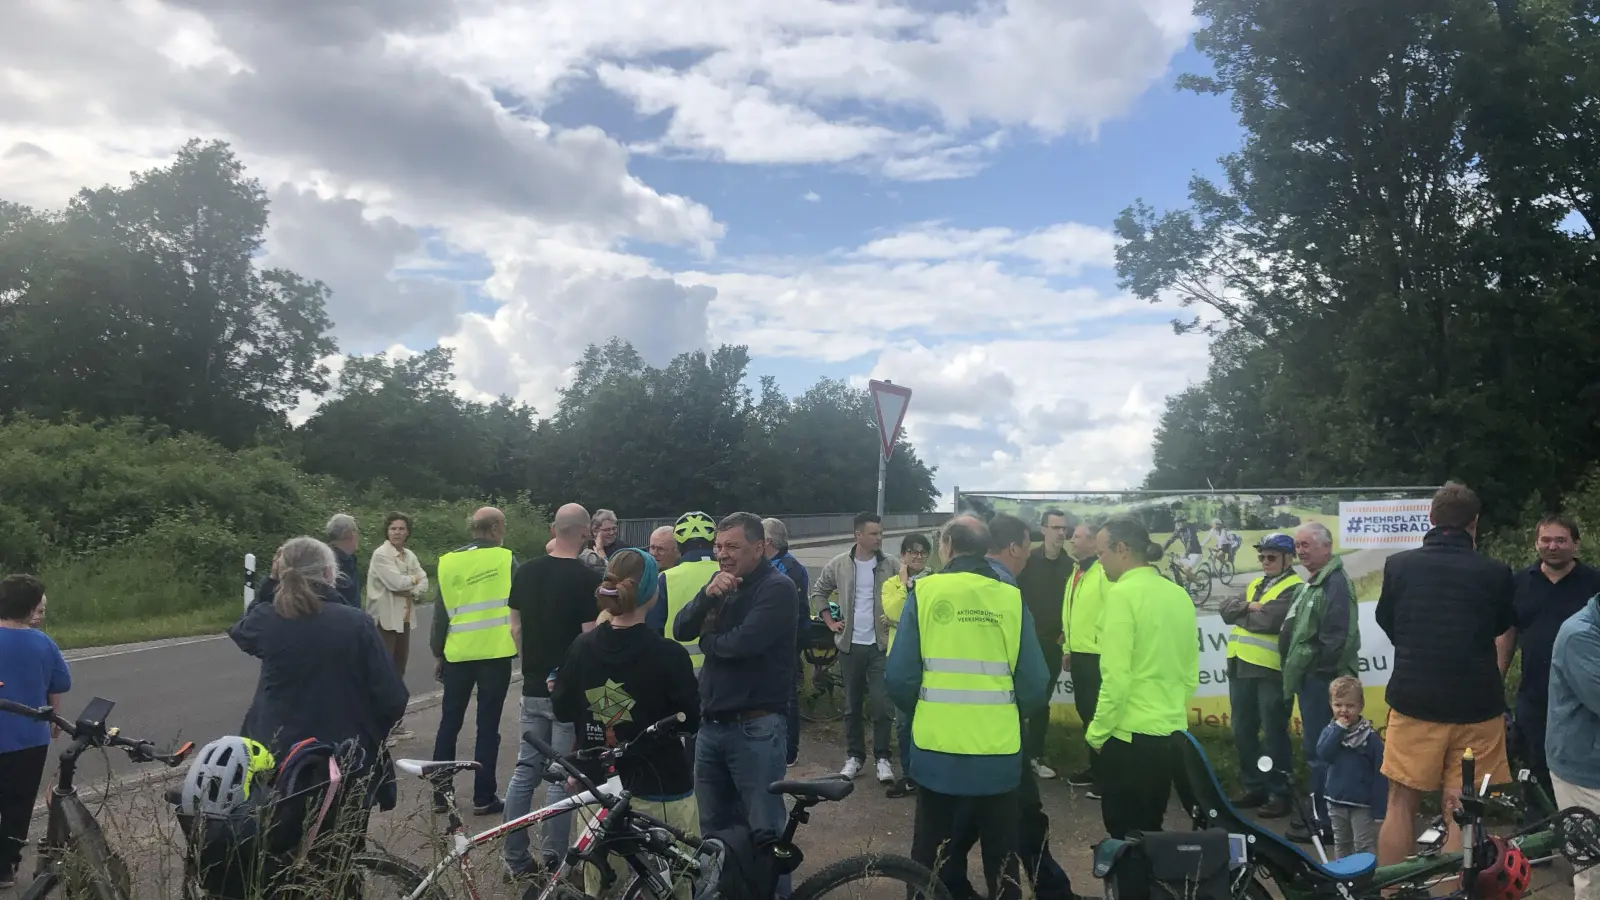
[971,631]
[684,582]
[476,588]
[1254,647]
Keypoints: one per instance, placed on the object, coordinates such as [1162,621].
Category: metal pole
[883,473]
[249,579]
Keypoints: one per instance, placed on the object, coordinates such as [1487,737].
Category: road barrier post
[249,579]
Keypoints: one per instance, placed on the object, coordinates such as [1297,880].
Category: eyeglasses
[1267,557]
[914,553]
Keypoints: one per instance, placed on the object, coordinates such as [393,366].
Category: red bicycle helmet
[1507,876]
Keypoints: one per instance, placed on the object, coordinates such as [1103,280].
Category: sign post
[249,580]
[889,402]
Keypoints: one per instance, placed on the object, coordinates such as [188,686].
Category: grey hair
[341,526]
[777,533]
[1319,532]
[601,516]
[304,563]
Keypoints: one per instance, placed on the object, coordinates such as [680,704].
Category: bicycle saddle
[427,768]
[1284,855]
[832,788]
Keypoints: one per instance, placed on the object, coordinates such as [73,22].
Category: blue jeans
[1259,705]
[1315,714]
[491,678]
[554,834]
[734,763]
[902,733]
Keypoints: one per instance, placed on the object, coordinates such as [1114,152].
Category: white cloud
[812,197]
[1065,248]
[801,81]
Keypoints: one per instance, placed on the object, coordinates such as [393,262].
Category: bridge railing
[636,532]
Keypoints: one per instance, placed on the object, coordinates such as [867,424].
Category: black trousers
[940,821]
[1085,671]
[1050,881]
[21,771]
[1136,783]
[1033,730]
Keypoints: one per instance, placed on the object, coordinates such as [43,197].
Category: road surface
[198,688]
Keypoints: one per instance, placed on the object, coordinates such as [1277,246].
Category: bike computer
[96,713]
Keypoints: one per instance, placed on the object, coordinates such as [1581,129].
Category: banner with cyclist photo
[1210,538]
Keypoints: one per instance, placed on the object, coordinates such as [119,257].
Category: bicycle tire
[404,874]
[41,886]
[1225,572]
[907,871]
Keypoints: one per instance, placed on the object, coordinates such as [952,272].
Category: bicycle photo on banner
[1210,538]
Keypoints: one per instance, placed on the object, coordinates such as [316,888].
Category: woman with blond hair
[325,673]
[620,678]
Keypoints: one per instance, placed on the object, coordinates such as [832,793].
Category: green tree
[146,301]
[1395,300]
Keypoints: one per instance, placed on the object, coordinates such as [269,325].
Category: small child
[1357,794]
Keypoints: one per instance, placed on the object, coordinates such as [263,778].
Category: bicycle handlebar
[138,751]
[565,761]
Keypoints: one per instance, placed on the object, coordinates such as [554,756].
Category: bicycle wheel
[822,697]
[1200,584]
[385,875]
[1225,572]
[898,877]
[41,886]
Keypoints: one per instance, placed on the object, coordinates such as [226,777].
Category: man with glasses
[1255,677]
[1043,583]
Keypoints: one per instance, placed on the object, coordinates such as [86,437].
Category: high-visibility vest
[971,632]
[476,588]
[1254,647]
[684,582]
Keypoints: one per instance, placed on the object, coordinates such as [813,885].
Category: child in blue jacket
[1356,792]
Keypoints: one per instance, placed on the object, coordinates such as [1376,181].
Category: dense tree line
[146,302]
[1398,267]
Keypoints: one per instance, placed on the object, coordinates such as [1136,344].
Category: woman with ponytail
[1149,668]
[324,671]
[620,678]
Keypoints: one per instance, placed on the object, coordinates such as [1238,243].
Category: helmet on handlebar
[1507,877]
[693,526]
[1278,543]
[222,774]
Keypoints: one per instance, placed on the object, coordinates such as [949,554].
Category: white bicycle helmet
[220,778]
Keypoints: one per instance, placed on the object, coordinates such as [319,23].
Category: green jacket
[1149,659]
[1322,634]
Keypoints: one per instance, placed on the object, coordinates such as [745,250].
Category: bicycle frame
[460,855]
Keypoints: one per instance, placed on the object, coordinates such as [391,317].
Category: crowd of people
[951,671]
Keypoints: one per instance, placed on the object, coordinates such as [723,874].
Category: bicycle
[74,853]
[1221,562]
[654,850]
[824,700]
[1196,581]
[1270,858]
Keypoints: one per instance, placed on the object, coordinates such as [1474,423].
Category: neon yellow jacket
[1149,658]
[894,602]
[1082,607]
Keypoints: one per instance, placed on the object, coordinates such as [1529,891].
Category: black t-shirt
[618,681]
[555,597]
[1541,606]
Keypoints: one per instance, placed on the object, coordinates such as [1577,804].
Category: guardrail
[636,532]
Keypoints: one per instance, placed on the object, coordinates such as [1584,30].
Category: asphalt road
[198,689]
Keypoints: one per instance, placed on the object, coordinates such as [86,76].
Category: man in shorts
[1443,605]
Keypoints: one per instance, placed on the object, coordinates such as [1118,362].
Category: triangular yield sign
[889,401]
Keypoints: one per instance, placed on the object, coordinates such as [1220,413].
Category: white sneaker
[1042,770]
[885,772]
[852,768]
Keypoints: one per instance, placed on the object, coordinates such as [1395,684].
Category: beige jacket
[395,581]
[839,575]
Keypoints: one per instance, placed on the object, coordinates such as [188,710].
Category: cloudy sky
[917,190]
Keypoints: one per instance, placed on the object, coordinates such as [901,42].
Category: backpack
[237,856]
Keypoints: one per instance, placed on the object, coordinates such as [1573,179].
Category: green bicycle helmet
[694,526]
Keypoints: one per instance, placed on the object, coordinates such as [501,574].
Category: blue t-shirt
[31,669]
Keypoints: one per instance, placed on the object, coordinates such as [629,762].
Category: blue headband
[648,580]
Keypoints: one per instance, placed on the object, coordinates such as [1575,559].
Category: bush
[128,523]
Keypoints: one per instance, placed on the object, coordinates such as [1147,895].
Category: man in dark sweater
[345,539]
[1443,606]
[1044,584]
[744,620]
[1548,593]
